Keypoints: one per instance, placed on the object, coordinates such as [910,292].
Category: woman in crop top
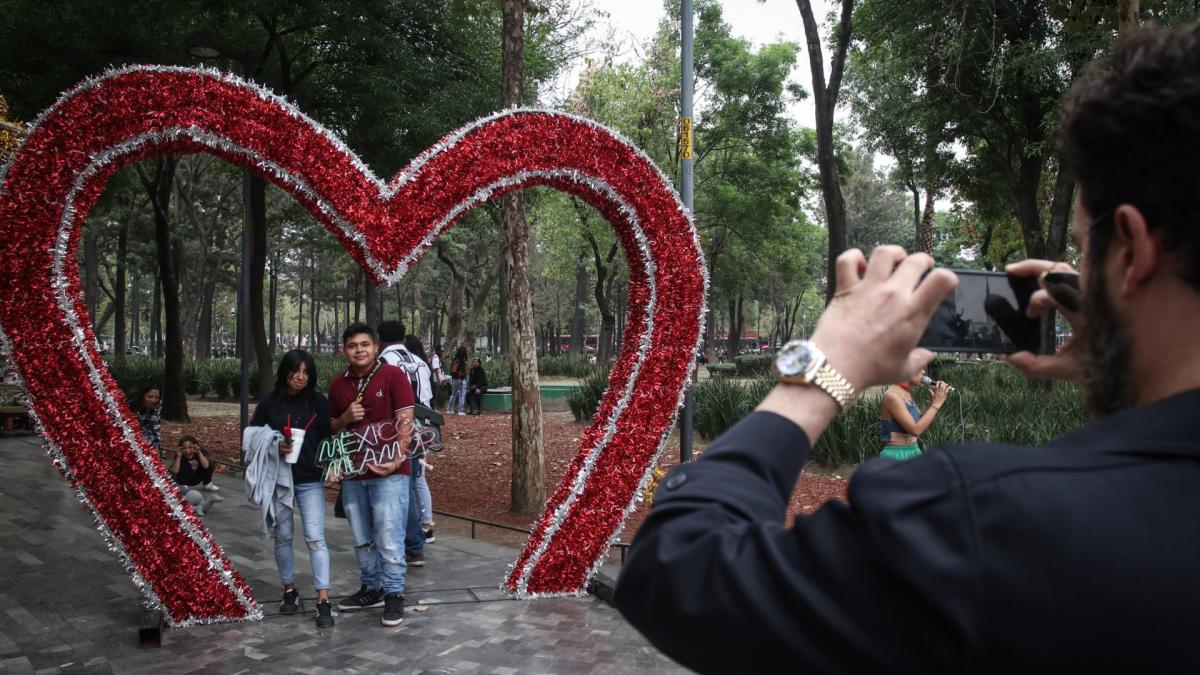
[901,421]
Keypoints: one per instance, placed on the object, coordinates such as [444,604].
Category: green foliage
[566,366]
[717,370]
[498,372]
[751,365]
[225,377]
[136,372]
[586,399]
[998,406]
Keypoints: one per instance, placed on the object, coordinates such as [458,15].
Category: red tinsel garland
[140,112]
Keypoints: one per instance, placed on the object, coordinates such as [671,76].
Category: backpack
[458,369]
[409,363]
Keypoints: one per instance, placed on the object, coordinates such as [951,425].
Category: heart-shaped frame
[133,113]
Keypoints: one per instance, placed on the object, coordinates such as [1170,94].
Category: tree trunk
[274,303]
[528,469]
[159,188]
[925,230]
[258,266]
[825,96]
[455,298]
[371,305]
[737,319]
[1127,15]
[478,304]
[119,293]
[581,279]
[91,273]
[156,338]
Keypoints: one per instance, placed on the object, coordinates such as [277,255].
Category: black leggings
[475,401]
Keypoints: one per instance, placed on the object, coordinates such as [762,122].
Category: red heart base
[130,114]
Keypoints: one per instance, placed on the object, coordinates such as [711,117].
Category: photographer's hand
[870,331]
[1061,366]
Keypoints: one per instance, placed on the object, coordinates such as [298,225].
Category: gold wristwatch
[801,362]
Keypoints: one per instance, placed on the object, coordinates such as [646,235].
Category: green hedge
[997,406]
[753,365]
[721,369]
[586,399]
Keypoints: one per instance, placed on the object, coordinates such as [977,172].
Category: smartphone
[961,324]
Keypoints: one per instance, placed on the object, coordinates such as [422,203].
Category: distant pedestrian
[458,381]
[477,386]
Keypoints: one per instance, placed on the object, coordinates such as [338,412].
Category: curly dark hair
[1131,132]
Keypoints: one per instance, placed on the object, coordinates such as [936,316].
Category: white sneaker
[461,412]
[211,487]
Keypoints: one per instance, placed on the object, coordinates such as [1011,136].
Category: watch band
[831,382]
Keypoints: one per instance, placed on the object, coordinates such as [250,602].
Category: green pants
[901,452]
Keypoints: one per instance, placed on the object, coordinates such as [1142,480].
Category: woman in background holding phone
[901,422]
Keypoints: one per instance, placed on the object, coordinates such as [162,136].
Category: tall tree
[825,95]
[159,184]
[528,455]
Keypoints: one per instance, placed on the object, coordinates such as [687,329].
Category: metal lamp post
[685,187]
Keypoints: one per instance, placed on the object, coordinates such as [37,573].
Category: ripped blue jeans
[310,498]
[377,509]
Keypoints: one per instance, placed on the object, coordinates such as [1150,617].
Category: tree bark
[455,298]
[258,266]
[119,293]
[925,230]
[159,188]
[825,96]
[371,304]
[581,279]
[478,304]
[91,273]
[528,469]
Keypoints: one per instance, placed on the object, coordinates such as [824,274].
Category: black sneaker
[291,602]
[363,599]
[324,615]
[429,538]
[393,609]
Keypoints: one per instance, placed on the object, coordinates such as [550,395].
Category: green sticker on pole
[685,137]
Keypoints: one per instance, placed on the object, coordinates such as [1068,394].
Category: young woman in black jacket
[476,387]
[295,403]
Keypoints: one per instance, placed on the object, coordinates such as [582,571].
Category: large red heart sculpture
[134,113]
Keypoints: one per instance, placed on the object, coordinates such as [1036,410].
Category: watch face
[794,360]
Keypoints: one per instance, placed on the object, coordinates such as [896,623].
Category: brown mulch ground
[471,476]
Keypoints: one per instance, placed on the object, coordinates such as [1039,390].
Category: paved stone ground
[67,606]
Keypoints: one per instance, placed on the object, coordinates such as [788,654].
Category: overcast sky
[634,22]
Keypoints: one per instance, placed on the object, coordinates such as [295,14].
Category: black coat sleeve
[886,583]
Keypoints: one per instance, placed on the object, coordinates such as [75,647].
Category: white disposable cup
[297,442]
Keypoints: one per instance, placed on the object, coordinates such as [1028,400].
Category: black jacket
[1078,556]
[273,411]
[478,379]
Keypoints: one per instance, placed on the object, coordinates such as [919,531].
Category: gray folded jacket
[268,476]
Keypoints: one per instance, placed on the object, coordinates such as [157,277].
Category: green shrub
[565,366]
[753,365]
[584,401]
[720,402]
[225,377]
[138,371]
[497,371]
[721,369]
[194,380]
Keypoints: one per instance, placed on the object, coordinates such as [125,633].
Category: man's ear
[1138,249]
